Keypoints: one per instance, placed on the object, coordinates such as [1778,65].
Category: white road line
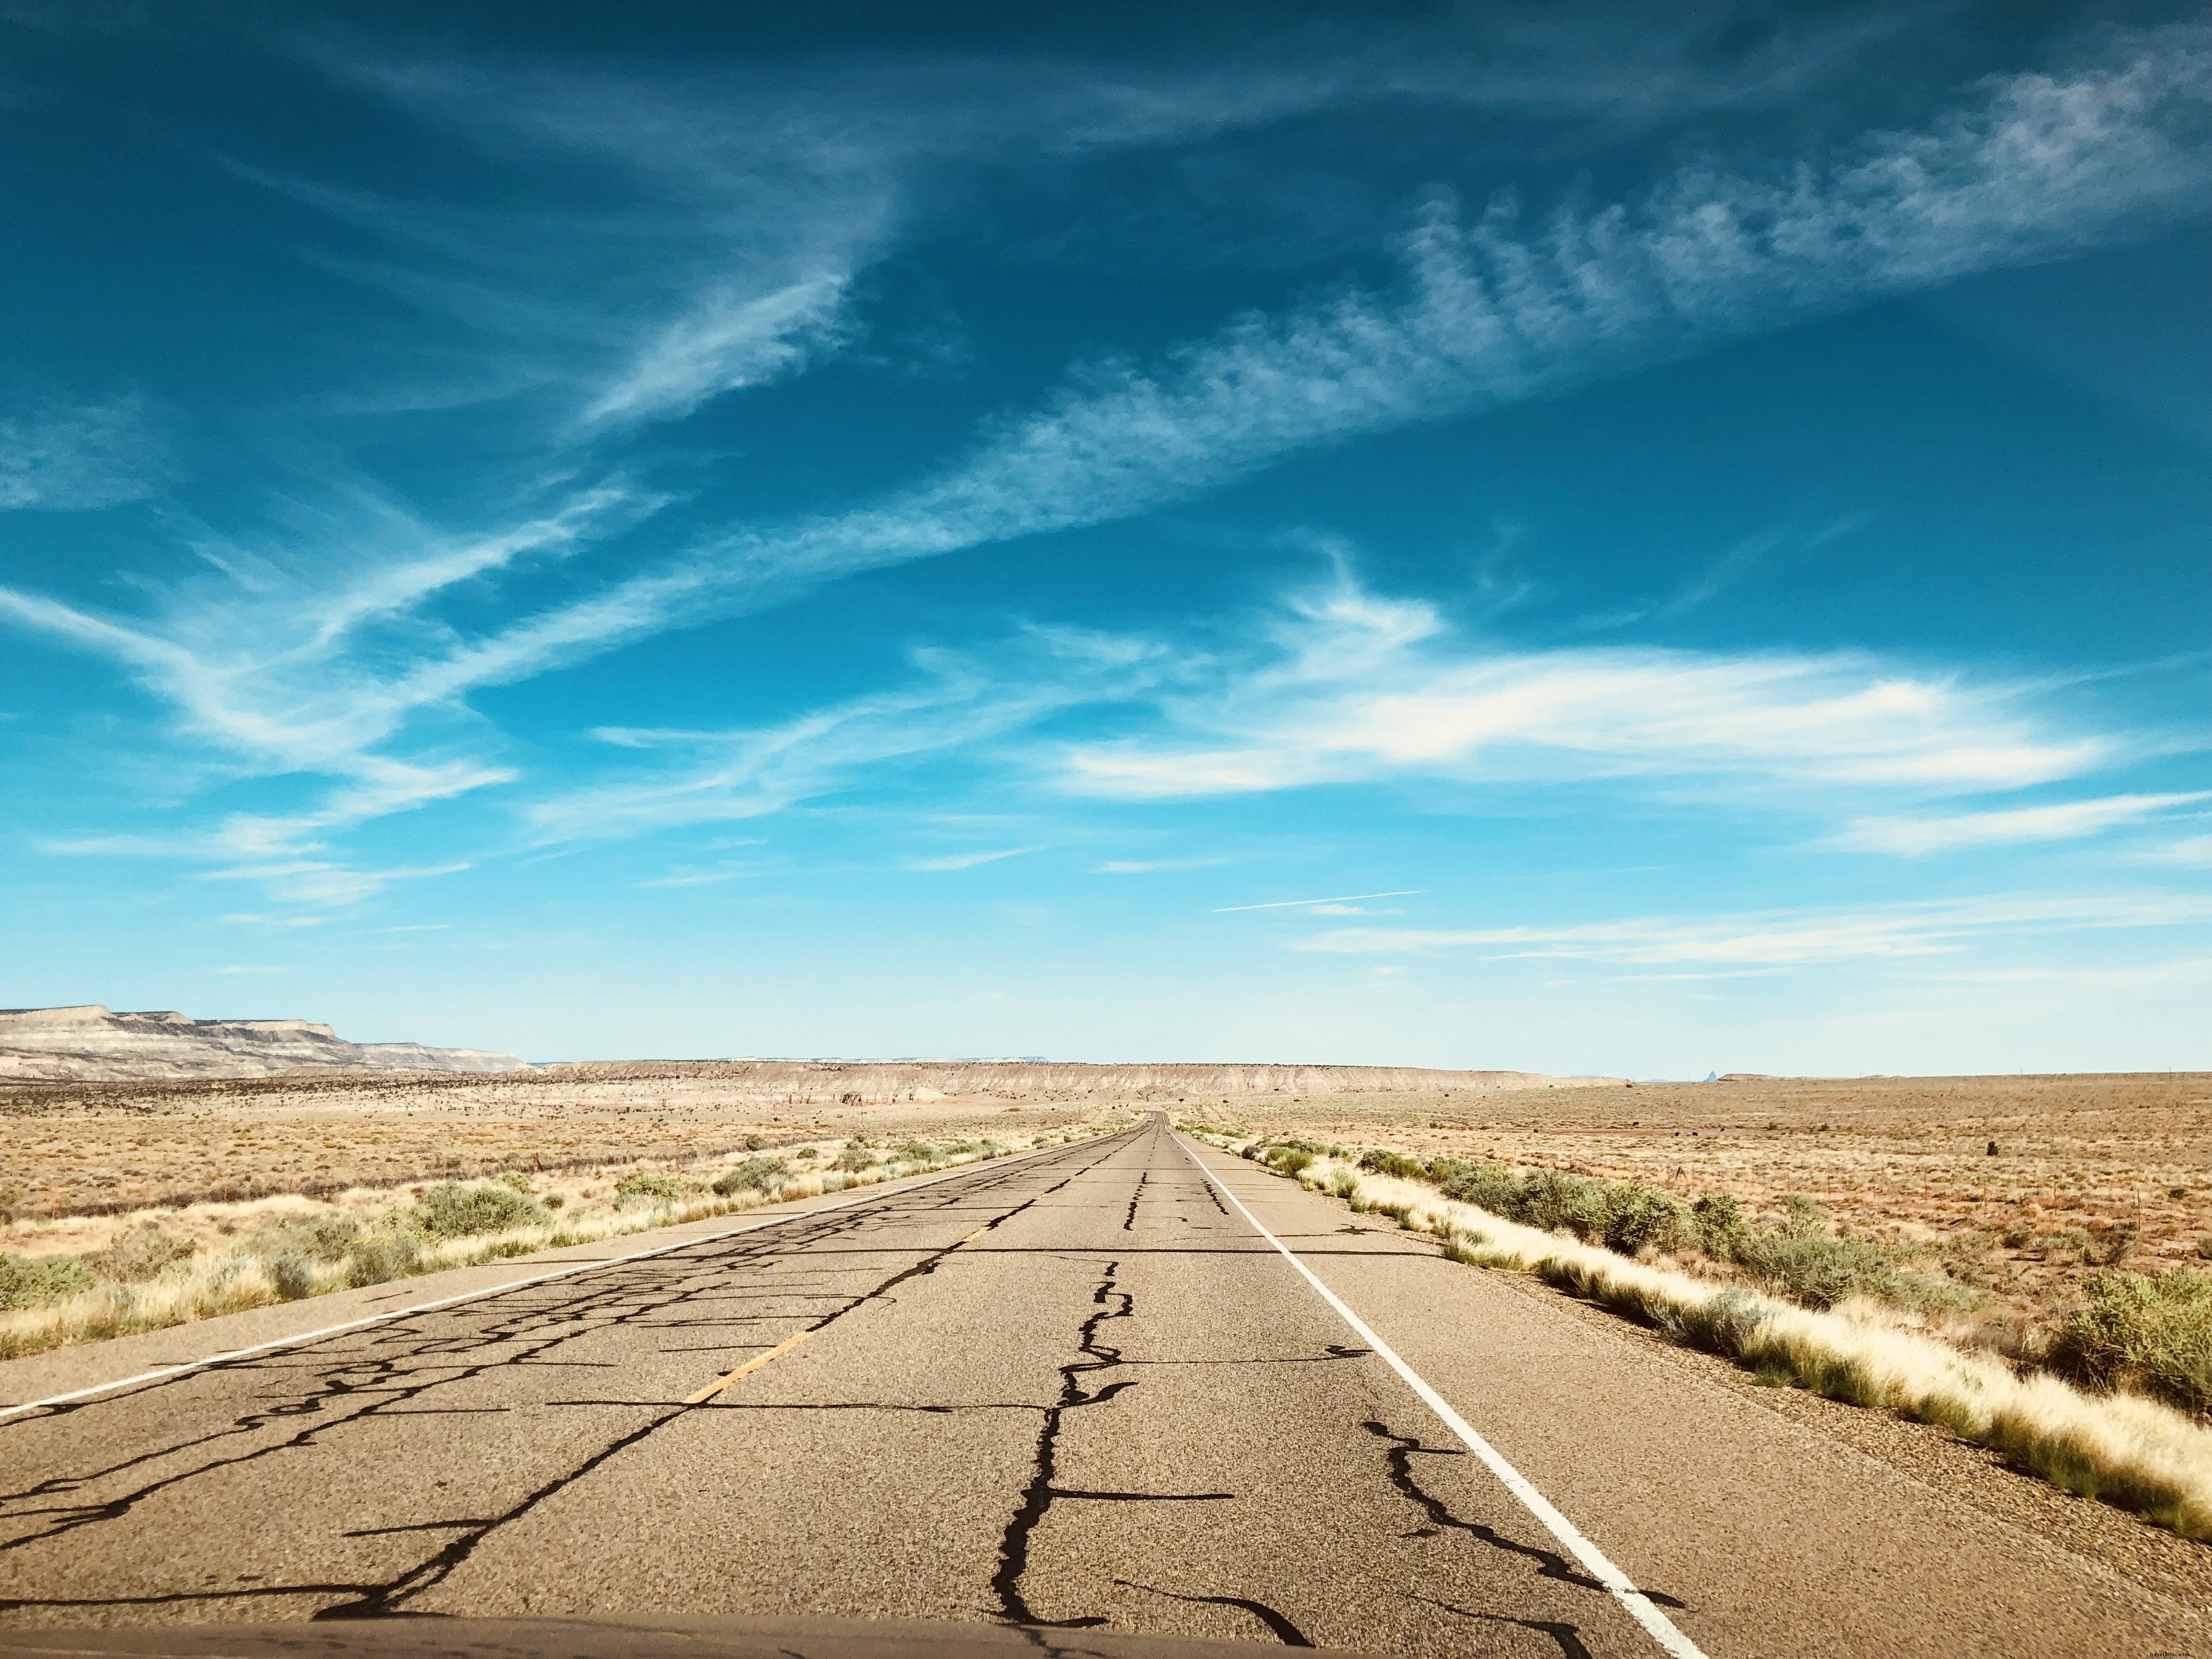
[1638,1606]
[164,1372]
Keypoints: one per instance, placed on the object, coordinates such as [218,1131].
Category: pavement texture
[1078,1393]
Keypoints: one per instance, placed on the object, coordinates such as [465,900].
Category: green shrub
[453,1211]
[292,1276]
[857,1155]
[806,1153]
[2153,1334]
[515,1178]
[2204,1247]
[27,1281]
[1722,1226]
[1379,1161]
[1290,1160]
[138,1253]
[638,1187]
[1801,1218]
[326,1239]
[387,1256]
[914,1152]
[1817,1270]
[755,1143]
[755,1174]
[1635,1215]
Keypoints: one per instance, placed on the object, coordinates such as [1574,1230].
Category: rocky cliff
[93,1044]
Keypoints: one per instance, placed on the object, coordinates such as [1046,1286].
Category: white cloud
[1152,866]
[59,458]
[1356,688]
[1787,939]
[325,662]
[956,705]
[1913,837]
[315,883]
[969,860]
[1491,314]
[727,340]
[2191,851]
[1316,904]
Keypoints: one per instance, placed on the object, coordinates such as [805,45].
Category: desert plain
[2086,1172]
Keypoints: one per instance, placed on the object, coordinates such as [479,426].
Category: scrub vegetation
[151,1272]
[2111,1404]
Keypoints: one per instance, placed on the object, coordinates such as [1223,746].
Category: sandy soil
[2087,1169]
[93,1149]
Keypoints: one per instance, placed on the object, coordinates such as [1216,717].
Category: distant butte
[93,1044]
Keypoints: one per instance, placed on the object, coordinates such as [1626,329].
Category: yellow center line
[722,1383]
[979,1232]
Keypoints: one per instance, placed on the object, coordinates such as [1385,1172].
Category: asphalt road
[1081,1390]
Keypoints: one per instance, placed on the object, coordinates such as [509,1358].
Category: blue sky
[1522,536]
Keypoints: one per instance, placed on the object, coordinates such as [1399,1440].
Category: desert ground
[2088,1171]
[92,1149]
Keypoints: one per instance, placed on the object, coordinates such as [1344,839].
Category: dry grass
[90,1149]
[2090,1172]
[224,1258]
[2121,1447]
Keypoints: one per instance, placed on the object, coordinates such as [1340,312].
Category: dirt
[2088,1171]
[110,1150]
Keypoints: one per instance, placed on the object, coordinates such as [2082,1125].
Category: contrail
[1342,898]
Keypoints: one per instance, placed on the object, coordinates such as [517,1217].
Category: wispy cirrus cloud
[2188,853]
[1355,688]
[76,458]
[286,669]
[728,340]
[1914,837]
[1786,938]
[1491,313]
[953,861]
[956,705]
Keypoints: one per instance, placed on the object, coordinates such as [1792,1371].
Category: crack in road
[1569,1637]
[1110,1303]
[578,1309]
[1399,1463]
[1285,1632]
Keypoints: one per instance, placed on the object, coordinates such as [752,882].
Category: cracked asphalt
[1076,1390]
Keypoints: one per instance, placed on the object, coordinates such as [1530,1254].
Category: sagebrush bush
[513,1178]
[292,1278]
[1622,1215]
[1816,1269]
[914,1152]
[1723,1226]
[325,1238]
[755,1174]
[385,1257]
[2151,1334]
[1376,1161]
[452,1210]
[28,1281]
[640,1187]
[139,1252]
[1635,1215]
[857,1155]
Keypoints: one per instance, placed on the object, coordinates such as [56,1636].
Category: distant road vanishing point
[1130,1386]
